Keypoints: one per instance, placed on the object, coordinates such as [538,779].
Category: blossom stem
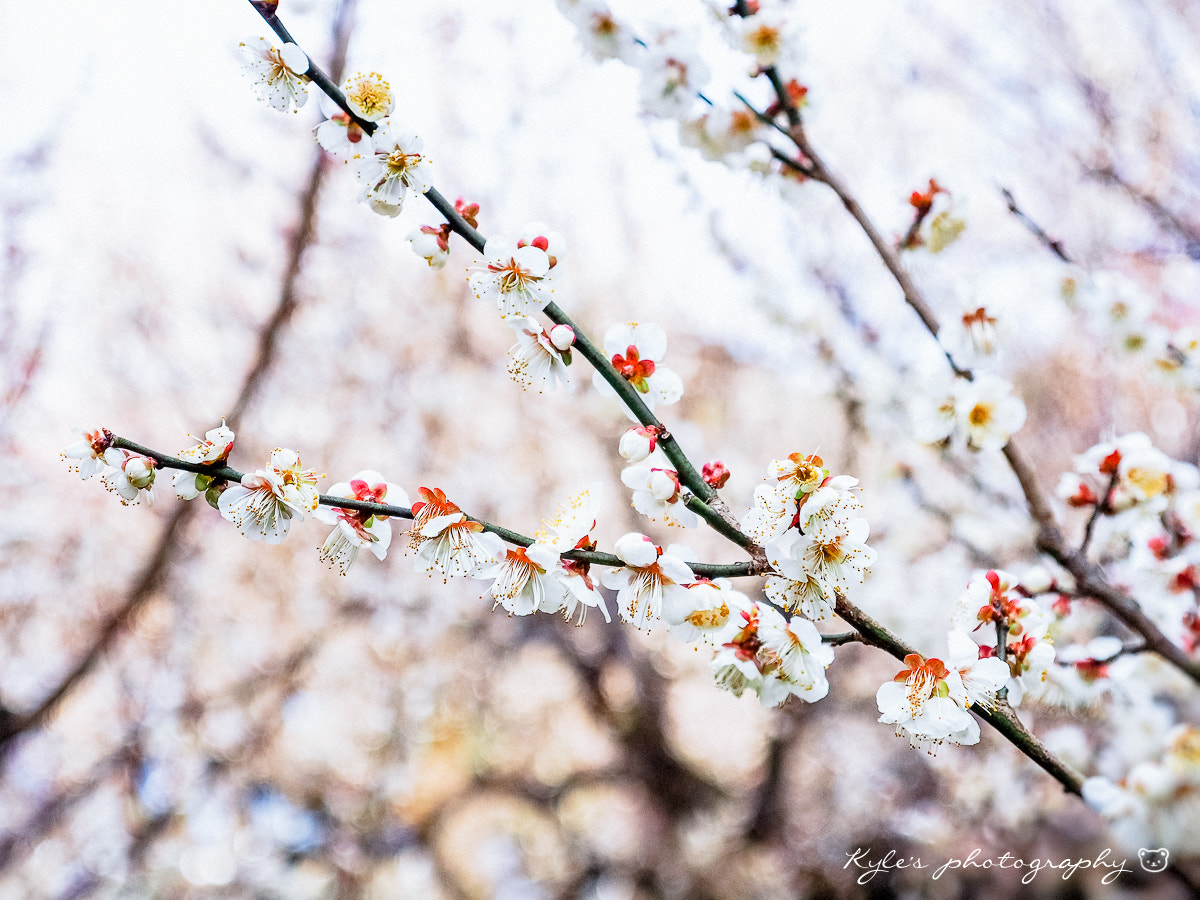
[1103,507]
[706,570]
[1001,717]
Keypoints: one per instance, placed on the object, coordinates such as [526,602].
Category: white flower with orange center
[648,577]
[832,553]
[987,412]
[515,277]
[764,36]
[447,541]
[703,611]
[527,580]
[264,504]
[278,73]
[776,503]
[356,528]
[763,652]
[930,698]
[391,167]
[371,99]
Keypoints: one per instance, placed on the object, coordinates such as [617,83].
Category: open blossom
[355,529]
[984,411]
[930,698]
[264,504]
[447,541]
[776,504]
[672,75]
[599,31]
[834,554]
[764,36]
[89,452]
[371,99]
[570,529]
[534,360]
[648,577]
[130,476]
[657,492]
[805,596]
[211,451]
[702,612]
[391,167]
[763,652]
[1145,476]
[635,350]
[527,580]
[516,278]
[278,73]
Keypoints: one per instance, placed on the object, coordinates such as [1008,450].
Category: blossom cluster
[811,525]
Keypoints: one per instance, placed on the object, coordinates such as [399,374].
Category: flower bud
[562,337]
[636,550]
[139,471]
[715,474]
[664,484]
[637,443]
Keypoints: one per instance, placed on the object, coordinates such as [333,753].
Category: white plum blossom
[983,411]
[1145,476]
[447,541]
[657,492]
[762,652]
[721,134]
[370,97]
[264,504]
[527,581]
[391,167]
[930,699]
[635,350]
[672,75]
[279,73]
[834,554]
[988,413]
[89,452]
[516,278]
[805,596]
[212,450]
[355,529]
[130,477]
[702,612]
[570,529]
[765,36]
[534,360]
[648,578]
[602,36]
[776,504]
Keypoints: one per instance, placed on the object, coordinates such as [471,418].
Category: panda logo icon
[1153,860]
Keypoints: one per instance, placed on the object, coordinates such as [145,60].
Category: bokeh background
[187,714]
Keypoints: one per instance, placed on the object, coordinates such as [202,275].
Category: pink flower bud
[562,337]
[715,474]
